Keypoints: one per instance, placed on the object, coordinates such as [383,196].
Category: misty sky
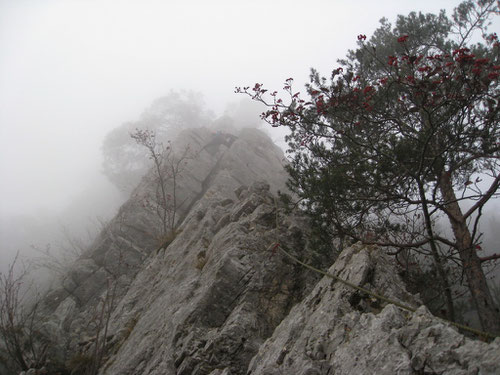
[70,71]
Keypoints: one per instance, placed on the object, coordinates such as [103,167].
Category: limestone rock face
[217,298]
[210,294]
[211,167]
[339,330]
[215,293]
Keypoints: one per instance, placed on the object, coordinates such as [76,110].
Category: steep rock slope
[212,166]
[212,295]
[133,234]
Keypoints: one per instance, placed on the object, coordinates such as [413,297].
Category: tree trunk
[488,313]
[438,262]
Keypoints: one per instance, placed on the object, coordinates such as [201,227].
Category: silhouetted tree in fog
[125,161]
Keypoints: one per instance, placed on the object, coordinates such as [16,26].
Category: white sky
[71,70]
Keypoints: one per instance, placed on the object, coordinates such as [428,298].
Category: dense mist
[144,193]
[72,72]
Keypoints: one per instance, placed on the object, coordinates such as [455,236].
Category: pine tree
[404,131]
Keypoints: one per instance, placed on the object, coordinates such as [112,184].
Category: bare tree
[100,322]
[19,321]
[59,256]
[167,168]
[93,353]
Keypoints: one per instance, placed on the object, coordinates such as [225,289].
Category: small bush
[167,239]
[79,364]
[201,260]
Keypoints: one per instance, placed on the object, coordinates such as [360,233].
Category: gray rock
[213,299]
[338,330]
[198,301]
[214,318]
[82,270]
[240,190]
[259,187]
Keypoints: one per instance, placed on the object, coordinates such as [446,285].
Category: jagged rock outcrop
[215,294]
[245,157]
[183,308]
[217,298]
[339,330]
[212,166]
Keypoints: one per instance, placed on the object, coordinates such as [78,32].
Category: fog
[71,71]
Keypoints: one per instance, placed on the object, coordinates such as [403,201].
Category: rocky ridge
[217,300]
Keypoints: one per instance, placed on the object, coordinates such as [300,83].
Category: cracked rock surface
[216,300]
[339,330]
[215,294]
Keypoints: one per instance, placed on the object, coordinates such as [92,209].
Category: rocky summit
[217,296]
